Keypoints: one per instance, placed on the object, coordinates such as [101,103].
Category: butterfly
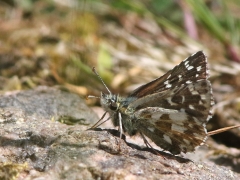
[171,110]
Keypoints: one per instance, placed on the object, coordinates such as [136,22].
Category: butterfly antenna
[91,96]
[95,72]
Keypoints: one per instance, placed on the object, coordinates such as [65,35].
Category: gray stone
[37,146]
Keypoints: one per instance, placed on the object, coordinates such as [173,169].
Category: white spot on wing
[205,130]
[199,68]
[190,87]
[151,129]
[190,125]
[156,116]
[180,77]
[209,117]
[167,138]
[191,107]
[188,82]
[203,96]
[167,84]
[197,135]
[190,67]
[178,128]
[186,141]
[194,92]
[197,121]
[212,102]
[178,116]
[183,99]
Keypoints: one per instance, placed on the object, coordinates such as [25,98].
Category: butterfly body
[114,105]
[171,110]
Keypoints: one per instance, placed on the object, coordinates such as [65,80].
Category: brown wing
[175,120]
[191,69]
[172,130]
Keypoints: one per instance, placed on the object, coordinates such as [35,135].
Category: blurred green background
[57,42]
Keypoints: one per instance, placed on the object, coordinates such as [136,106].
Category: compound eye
[113,106]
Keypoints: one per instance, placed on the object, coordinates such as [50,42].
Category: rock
[35,145]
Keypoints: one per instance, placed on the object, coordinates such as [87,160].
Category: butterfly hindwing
[176,129]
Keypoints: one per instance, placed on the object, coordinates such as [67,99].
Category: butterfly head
[109,101]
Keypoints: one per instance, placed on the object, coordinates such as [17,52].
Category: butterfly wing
[180,125]
[173,109]
[191,69]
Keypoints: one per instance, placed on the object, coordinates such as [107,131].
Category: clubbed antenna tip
[90,96]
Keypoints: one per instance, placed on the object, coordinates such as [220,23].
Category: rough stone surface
[34,145]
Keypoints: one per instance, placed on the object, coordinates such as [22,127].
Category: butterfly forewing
[190,70]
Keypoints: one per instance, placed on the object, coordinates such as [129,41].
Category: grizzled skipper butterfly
[171,110]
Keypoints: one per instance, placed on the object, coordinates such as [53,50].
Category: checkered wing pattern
[173,109]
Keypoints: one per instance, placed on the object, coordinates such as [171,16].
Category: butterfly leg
[145,141]
[96,124]
[120,124]
[149,145]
